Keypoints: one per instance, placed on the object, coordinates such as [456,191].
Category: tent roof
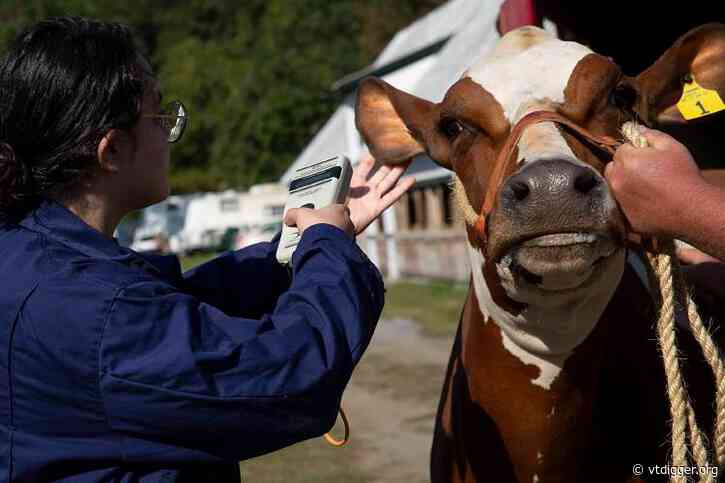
[471,27]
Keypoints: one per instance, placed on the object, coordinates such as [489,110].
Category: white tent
[424,59]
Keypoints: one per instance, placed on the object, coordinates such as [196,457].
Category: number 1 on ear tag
[696,101]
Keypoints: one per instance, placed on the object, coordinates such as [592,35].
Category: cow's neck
[555,420]
[549,412]
[556,326]
[547,398]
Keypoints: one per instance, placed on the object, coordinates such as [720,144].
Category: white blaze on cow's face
[527,66]
[562,298]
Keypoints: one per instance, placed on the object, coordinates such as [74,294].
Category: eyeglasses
[172,119]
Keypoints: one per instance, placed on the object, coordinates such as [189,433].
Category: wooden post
[420,210]
[401,213]
[434,207]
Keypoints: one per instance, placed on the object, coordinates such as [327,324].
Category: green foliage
[255,75]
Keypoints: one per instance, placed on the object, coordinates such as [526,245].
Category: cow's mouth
[555,262]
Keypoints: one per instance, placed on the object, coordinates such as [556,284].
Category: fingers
[394,195]
[336,214]
[379,175]
[694,256]
[290,218]
[625,151]
[624,154]
[657,139]
[364,166]
[389,181]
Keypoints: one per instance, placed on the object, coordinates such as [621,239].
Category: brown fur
[607,408]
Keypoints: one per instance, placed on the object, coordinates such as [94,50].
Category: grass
[400,380]
[436,306]
[192,261]
[311,461]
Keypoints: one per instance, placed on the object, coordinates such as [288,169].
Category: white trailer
[208,216]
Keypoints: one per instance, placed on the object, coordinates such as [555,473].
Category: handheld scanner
[314,186]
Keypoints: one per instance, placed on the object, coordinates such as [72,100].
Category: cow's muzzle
[554,222]
[543,182]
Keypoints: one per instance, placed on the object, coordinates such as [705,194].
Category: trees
[255,75]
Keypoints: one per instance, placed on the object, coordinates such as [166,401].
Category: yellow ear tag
[696,101]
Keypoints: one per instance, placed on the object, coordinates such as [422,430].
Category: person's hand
[654,184]
[370,197]
[336,215]
[692,256]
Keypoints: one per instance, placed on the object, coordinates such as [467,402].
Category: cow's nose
[549,178]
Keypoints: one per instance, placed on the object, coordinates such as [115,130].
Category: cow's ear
[395,125]
[699,55]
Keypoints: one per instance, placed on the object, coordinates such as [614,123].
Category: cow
[555,373]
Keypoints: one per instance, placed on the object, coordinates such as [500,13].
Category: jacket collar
[60,224]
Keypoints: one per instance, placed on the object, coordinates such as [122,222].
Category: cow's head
[555,240]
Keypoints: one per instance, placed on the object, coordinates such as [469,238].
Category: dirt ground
[393,399]
[391,402]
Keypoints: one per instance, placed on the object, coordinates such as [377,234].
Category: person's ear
[113,150]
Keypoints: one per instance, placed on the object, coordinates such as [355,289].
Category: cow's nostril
[585,182]
[520,190]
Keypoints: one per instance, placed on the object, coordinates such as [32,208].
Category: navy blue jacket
[116,367]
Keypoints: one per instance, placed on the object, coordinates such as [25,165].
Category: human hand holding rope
[654,183]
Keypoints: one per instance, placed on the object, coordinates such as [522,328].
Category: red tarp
[517,13]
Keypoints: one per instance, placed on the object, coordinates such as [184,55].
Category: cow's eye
[623,97]
[450,128]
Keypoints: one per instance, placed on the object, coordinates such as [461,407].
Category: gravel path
[392,401]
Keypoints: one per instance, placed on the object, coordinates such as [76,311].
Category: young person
[115,367]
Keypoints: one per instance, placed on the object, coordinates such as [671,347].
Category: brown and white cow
[555,374]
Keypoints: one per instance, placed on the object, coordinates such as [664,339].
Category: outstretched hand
[370,195]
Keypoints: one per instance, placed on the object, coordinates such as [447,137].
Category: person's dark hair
[63,84]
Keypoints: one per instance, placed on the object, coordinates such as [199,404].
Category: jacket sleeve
[178,370]
[243,283]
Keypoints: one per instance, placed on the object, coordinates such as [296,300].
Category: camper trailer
[264,207]
[208,217]
[158,224]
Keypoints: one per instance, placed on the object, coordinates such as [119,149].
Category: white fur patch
[544,141]
[549,368]
[518,71]
[551,326]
